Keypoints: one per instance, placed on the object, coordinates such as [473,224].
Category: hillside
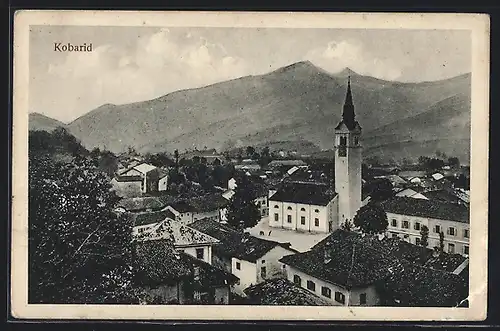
[299,102]
[43,123]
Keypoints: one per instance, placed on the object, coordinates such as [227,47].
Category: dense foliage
[371,219]
[79,251]
[242,211]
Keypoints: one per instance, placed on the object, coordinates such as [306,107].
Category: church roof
[309,194]
[348,115]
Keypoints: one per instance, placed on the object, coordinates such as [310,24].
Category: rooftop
[311,194]
[281,292]
[179,234]
[144,167]
[128,178]
[234,243]
[146,218]
[350,263]
[158,263]
[427,208]
[141,203]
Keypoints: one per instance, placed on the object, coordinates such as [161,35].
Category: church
[318,208]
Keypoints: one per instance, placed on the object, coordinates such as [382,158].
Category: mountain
[43,123]
[298,103]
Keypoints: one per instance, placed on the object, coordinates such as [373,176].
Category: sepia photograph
[189,165]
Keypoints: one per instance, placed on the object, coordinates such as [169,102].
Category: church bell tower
[348,161]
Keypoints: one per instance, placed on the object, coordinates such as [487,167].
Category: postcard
[249,166]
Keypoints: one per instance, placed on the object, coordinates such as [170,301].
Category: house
[350,269]
[281,292]
[341,270]
[251,259]
[168,276]
[150,176]
[162,179]
[395,180]
[286,163]
[207,206]
[183,238]
[407,216]
[143,222]
[304,207]
[210,155]
[445,196]
[410,193]
[127,186]
[437,176]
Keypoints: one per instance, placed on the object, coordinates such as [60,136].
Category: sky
[130,64]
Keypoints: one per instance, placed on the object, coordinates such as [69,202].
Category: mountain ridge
[298,102]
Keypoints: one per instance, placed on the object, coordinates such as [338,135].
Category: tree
[371,219]
[265,157]
[347,226]
[176,157]
[424,236]
[441,242]
[242,211]
[250,151]
[79,250]
[454,162]
[380,189]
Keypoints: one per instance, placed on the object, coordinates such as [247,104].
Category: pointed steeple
[348,116]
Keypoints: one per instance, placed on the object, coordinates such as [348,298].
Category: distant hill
[43,123]
[298,103]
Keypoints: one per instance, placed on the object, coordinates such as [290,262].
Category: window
[451,248]
[289,218]
[437,229]
[394,222]
[263,202]
[200,253]
[356,140]
[276,206]
[196,273]
[416,226]
[238,266]
[263,261]
[406,225]
[311,285]
[342,147]
[466,233]
[362,299]
[289,208]
[451,231]
[302,220]
[297,280]
[466,250]
[302,209]
[316,210]
[316,222]
[326,292]
[340,297]
[276,217]
[417,241]
[263,272]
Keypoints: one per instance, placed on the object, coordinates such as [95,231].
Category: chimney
[327,253]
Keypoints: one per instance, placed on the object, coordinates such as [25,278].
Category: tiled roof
[310,194]
[277,163]
[280,291]
[182,206]
[179,234]
[209,202]
[128,179]
[411,285]
[427,208]
[150,217]
[162,173]
[351,263]
[442,195]
[234,243]
[141,203]
[210,275]
[158,263]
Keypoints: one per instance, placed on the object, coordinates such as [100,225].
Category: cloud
[157,64]
[337,55]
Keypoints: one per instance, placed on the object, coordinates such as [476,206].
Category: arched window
[316,210]
[343,147]
[289,208]
[276,206]
[302,209]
